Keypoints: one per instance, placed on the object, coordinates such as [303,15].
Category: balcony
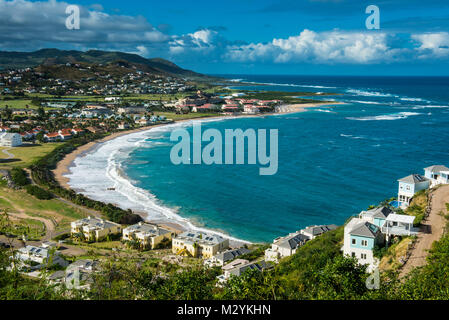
[400,231]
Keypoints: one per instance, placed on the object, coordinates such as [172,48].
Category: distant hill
[9,59]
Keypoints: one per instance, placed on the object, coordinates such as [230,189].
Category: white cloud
[432,45]
[310,46]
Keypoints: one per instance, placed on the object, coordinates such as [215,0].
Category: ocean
[333,162]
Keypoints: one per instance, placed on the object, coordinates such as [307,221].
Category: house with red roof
[52,137]
[77,131]
[65,134]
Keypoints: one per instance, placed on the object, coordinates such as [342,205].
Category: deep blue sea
[333,162]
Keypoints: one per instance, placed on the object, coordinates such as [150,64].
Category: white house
[95,229]
[40,255]
[221,258]
[8,139]
[285,246]
[437,174]
[148,235]
[238,267]
[314,231]
[360,238]
[376,216]
[199,244]
[410,185]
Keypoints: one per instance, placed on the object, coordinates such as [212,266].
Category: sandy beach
[64,165]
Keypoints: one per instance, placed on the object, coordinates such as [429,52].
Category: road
[431,231]
[8,154]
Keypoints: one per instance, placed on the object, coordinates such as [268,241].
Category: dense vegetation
[38,192]
[19,177]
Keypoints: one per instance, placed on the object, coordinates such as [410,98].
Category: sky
[318,37]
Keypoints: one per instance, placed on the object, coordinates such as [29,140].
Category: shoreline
[63,166]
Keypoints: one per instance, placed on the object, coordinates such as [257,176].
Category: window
[408,187]
[363,256]
[353,254]
[364,243]
[354,241]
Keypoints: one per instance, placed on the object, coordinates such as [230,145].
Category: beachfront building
[149,236]
[360,238]
[52,137]
[8,139]
[221,258]
[123,125]
[143,122]
[65,134]
[314,231]
[250,109]
[285,246]
[410,185]
[94,229]
[199,244]
[41,256]
[437,174]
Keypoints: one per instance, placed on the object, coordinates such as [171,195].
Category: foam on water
[393,116]
[95,172]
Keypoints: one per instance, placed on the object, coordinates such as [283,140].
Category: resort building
[10,139]
[437,174]
[94,229]
[52,137]
[285,246]
[360,238]
[123,126]
[40,255]
[143,122]
[199,244]
[221,258]
[314,231]
[147,235]
[410,185]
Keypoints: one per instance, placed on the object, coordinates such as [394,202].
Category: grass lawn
[17,104]
[25,155]
[20,200]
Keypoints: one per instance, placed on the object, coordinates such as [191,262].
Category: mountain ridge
[49,56]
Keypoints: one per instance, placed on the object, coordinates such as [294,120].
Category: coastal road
[431,230]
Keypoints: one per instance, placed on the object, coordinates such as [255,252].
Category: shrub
[38,192]
[19,177]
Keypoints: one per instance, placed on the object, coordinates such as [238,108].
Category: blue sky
[245,36]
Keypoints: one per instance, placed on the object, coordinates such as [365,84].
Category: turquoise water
[333,162]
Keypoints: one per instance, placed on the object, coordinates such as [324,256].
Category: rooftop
[413,178]
[200,237]
[437,168]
